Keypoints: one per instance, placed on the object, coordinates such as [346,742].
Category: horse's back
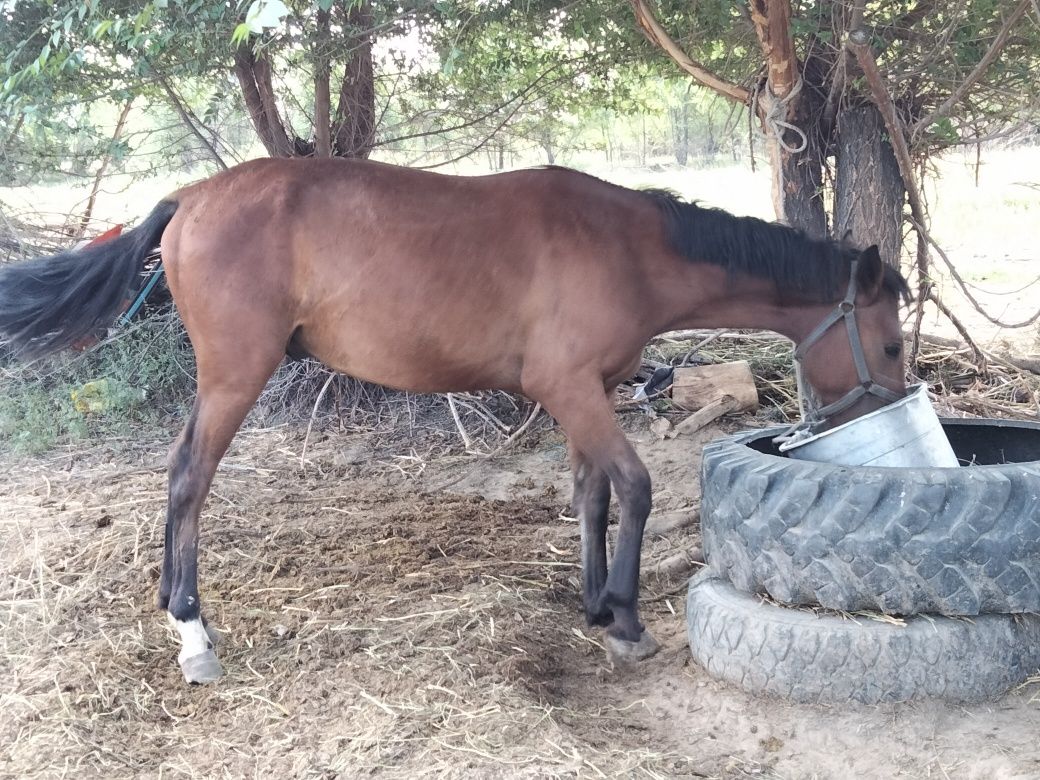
[409,278]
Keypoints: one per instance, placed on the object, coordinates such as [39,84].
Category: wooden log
[695,387]
[724,404]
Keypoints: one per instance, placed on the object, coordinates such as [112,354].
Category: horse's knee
[632,482]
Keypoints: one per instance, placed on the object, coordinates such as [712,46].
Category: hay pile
[1002,386]
[369,629]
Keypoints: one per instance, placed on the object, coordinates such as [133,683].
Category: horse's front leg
[586,414]
[591,503]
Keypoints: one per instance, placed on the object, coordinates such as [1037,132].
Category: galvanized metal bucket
[905,433]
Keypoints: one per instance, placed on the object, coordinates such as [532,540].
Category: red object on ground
[108,235]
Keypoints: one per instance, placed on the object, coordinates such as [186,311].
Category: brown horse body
[545,282]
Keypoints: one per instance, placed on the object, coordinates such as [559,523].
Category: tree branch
[977,72]
[11,136]
[657,35]
[967,293]
[772,20]
[105,162]
[980,358]
[859,42]
[186,119]
[519,97]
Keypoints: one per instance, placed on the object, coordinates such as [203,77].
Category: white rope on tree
[776,118]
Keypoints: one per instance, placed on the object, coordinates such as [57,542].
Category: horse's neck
[701,295]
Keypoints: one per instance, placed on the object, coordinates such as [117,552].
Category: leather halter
[844,311]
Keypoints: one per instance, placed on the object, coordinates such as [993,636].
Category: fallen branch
[980,358]
[522,429]
[708,414]
[466,440]
[314,414]
[1018,362]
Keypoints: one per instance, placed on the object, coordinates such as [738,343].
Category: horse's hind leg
[229,381]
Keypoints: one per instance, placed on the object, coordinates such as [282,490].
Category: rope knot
[775,118]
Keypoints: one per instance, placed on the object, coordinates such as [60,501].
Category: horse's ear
[870,273]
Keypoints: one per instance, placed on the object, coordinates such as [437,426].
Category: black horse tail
[50,303]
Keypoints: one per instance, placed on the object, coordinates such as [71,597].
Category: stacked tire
[829,583]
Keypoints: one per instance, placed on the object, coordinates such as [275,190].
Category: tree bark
[772,21]
[797,172]
[254,77]
[322,98]
[798,176]
[868,189]
[356,111]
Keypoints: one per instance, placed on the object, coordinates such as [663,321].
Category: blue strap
[145,292]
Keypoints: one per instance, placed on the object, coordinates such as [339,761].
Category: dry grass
[959,386]
[381,631]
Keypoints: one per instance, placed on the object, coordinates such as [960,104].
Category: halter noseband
[845,310]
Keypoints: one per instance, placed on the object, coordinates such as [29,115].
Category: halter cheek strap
[844,311]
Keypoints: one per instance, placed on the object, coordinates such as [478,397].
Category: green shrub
[141,377]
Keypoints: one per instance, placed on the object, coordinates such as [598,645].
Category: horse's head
[852,360]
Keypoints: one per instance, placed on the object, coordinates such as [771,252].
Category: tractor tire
[949,541]
[795,654]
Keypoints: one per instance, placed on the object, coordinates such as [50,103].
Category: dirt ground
[397,614]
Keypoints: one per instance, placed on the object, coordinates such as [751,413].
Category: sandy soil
[395,615]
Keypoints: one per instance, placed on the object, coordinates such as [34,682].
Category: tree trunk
[254,77]
[798,175]
[681,133]
[356,112]
[868,190]
[322,98]
[546,141]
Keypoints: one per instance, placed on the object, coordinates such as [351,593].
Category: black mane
[796,263]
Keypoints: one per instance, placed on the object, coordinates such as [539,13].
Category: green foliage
[140,378]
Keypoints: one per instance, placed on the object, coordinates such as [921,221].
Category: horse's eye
[893,350]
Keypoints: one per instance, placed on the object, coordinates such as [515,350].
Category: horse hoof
[202,668]
[623,652]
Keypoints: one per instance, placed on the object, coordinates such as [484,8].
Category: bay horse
[545,282]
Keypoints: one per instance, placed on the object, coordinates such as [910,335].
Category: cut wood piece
[661,523]
[695,387]
[713,411]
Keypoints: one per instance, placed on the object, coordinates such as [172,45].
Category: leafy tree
[949,69]
[308,84]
